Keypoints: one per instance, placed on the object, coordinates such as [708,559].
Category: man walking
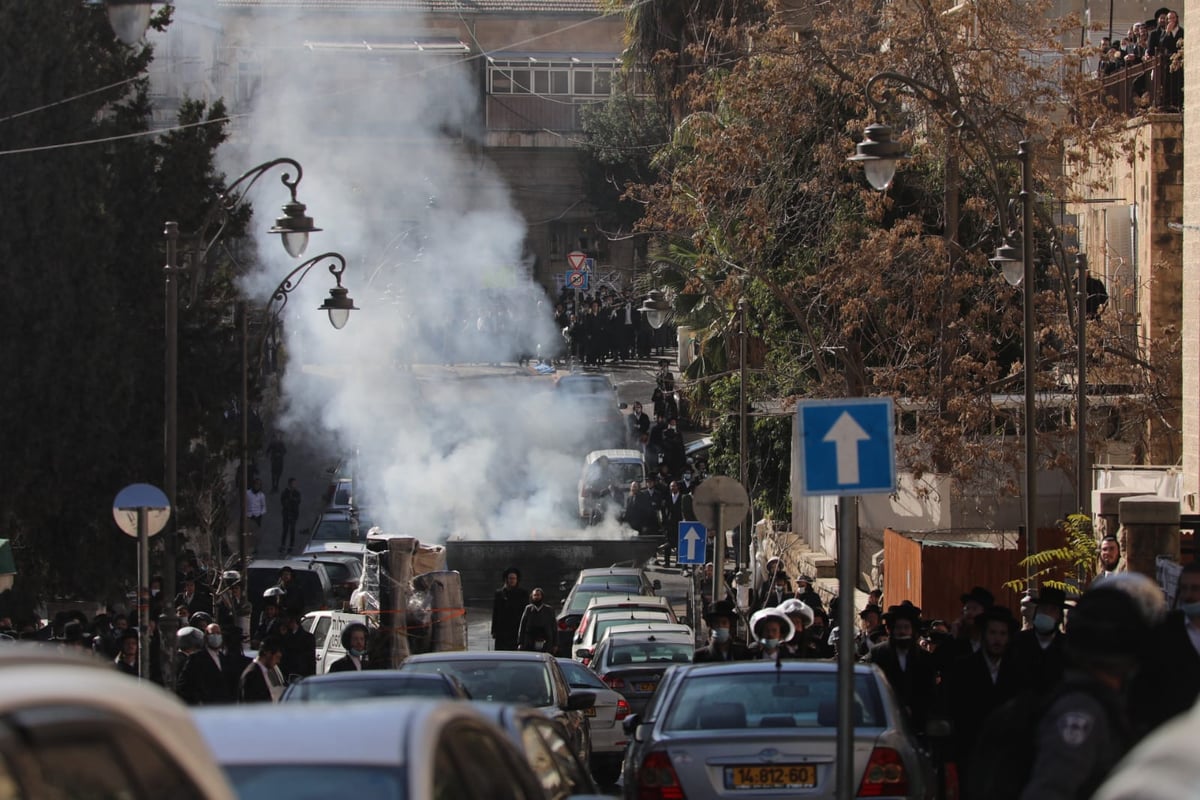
[256,503]
[508,605]
[276,451]
[538,628]
[289,501]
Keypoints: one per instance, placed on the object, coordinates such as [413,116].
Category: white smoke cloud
[431,235]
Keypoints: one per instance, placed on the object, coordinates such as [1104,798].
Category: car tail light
[613,682]
[885,774]
[563,625]
[622,708]
[657,779]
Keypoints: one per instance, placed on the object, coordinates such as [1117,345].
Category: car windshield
[340,571]
[579,676]
[603,624]
[724,699]
[316,781]
[585,386]
[636,654]
[326,691]
[522,682]
[333,530]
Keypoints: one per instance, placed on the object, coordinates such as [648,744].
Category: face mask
[769,644]
[1044,624]
[902,641]
[357,653]
[720,635]
[1190,610]
[214,640]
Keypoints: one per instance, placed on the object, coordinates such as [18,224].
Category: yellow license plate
[646,687]
[774,776]
[589,712]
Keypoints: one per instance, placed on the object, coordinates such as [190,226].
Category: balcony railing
[1143,86]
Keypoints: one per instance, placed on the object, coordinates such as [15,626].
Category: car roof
[49,678]
[283,733]
[698,444]
[337,548]
[659,629]
[626,600]
[788,665]
[619,454]
[477,655]
[368,675]
[610,571]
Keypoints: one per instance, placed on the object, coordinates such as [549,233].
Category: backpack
[1002,759]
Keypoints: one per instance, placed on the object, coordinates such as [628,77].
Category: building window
[561,78]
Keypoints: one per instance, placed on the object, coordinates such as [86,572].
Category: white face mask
[769,644]
[214,640]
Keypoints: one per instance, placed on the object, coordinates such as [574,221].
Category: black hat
[200,619]
[511,571]
[979,595]
[997,614]
[1049,596]
[722,608]
[351,628]
[905,610]
[128,633]
[1106,624]
[869,609]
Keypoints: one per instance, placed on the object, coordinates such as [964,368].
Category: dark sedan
[528,679]
[547,746]
[336,687]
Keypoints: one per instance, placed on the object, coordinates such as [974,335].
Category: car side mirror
[639,733]
[623,406]
[629,724]
[562,586]
[581,701]
[583,652]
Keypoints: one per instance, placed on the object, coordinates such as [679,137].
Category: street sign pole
[143,599]
[718,558]
[847,523]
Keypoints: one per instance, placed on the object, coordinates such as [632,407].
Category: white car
[606,719]
[596,492]
[73,726]
[598,623]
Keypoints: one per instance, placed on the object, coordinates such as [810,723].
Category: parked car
[342,525]
[697,451]
[523,678]
[632,660]
[72,726]
[399,749]
[586,384]
[725,717]
[326,628]
[598,493]
[598,622]
[605,719]
[343,569]
[632,579]
[338,687]
[576,603]
[546,745]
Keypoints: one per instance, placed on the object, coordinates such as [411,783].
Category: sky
[436,265]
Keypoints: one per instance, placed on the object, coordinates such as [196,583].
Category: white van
[596,491]
[326,628]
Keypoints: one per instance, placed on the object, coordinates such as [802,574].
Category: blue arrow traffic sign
[847,446]
[692,538]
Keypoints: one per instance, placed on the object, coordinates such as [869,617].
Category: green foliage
[81,271]
[769,452]
[1069,567]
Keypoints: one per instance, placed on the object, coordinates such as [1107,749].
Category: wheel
[606,771]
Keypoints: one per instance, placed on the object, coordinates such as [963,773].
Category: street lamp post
[338,305]
[879,154]
[293,227]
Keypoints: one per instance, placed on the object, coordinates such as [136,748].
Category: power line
[68,99]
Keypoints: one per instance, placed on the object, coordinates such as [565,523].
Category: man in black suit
[639,510]
[508,605]
[205,677]
[298,647]
[908,668]
[983,681]
[261,681]
[723,646]
[1039,650]
[354,639]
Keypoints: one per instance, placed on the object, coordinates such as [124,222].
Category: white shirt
[256,503]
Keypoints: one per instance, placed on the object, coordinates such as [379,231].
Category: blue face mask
[1190,610]
[769,644]
[720,635]
[1044,624]
[356,653]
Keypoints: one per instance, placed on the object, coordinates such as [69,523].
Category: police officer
[1084,733]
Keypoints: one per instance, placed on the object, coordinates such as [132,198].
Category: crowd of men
[1149,41]
[604,325]
[1040,706]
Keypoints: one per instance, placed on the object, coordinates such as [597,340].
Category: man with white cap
[771,628]
[801,616]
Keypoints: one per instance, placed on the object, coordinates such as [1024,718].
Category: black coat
[253,687]
[915,686]
[1168,680]
[640,513]
[710,653]
[1043,668]
[299,653]
[973,695]
[202,682]
[507,607]
[346,664]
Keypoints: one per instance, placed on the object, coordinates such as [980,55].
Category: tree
[862,293]
[81,270]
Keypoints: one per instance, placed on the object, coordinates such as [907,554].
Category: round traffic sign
[137,496]
[719,491]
